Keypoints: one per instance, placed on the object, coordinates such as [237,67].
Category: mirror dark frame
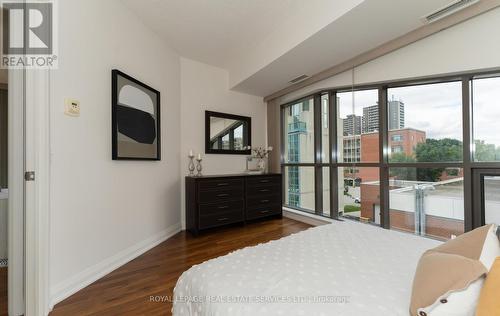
[248,135]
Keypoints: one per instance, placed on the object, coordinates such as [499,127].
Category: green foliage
[402,157]
[440,150]
[409,174]
[437,150]
[486,152]
[402,173]
[351,208]
[433,150]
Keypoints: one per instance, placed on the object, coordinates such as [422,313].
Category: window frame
[468,165]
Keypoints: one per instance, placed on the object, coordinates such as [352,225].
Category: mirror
[227,134]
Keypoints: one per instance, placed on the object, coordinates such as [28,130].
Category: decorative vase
[261,165]
[191,166]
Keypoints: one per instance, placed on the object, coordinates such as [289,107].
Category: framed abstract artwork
[135,119]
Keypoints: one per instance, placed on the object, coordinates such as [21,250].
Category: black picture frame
[115,74]
[247,133]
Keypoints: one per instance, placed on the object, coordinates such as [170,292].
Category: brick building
[400,141]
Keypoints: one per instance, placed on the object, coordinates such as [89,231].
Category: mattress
[344,268]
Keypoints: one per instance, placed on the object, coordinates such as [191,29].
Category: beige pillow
[452,266]
[469,245]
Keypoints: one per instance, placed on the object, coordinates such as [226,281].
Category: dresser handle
[223,195]
[264,201]
[265,212]
[223,219]
[222,184]
[265,190]
[223,207]
[264,181]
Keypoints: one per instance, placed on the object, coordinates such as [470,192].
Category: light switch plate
[72,107]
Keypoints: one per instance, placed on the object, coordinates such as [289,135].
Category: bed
[344,268]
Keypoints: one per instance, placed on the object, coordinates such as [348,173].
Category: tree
[440,150]
[486,152]
[402,173]
[437,150]
[401,158]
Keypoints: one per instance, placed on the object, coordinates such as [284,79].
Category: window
[412,180]
[326,191]
[398,138]
[299,187]
[492,199]
[427,202]
[431,117]
[325,110]
[358,117]
[397,149]
[238,137]
[231,137]
[299,132]
[486,110]
[225,142]
[325,131]
[359,194]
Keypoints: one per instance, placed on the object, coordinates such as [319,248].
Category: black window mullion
[282,153]
[231,138]
[384,159]
[334,172]
[467,155]
[318,144]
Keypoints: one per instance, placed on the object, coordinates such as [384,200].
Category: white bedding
[356,268]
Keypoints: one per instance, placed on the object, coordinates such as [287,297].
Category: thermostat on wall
[72,107]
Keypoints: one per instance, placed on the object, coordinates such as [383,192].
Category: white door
[16,196]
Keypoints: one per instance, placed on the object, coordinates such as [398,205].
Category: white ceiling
[266,43]
[372,23]
[211,31]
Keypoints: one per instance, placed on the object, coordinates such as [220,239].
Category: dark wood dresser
[213,201]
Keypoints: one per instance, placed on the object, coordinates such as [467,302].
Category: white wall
[103,212]
[206,88]
[468,46]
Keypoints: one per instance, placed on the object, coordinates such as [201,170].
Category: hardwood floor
[3,292]
[127,290]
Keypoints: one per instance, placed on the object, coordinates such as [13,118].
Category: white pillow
[458,303]
[464,302]
[491,248]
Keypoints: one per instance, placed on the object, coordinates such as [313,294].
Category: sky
[437,108]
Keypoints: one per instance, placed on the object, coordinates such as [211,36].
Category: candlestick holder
[191,166]
[199,168]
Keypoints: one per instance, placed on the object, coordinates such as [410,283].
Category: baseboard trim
[88,276]
[310,219]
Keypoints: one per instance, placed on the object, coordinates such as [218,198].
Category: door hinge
[29,176]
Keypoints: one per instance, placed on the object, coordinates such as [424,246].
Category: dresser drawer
[220,200]
[264,190]
[263,201]
[220,184]
[259,181]
[222,207]
[220,195]
[263,211]
[210,221]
